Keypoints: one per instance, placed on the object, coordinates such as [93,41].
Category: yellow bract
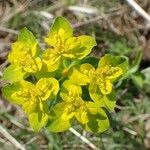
[24,57]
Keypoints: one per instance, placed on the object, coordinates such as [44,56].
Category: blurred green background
[118,29]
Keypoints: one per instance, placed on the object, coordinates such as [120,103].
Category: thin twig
[84,139]
[11,138]
[139,9]
[85,10]
[8,30]
[31,140]
[130,131]
[94,19]
[88,21]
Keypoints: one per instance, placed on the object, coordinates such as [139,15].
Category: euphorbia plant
[62,84]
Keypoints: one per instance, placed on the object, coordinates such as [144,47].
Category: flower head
[64,45]
[25,57]
[99,80]
[74,107]
[33,98]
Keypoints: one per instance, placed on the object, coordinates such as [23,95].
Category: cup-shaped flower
[64,46]
[25,52]
[24,57]
[33,98]
[73,107]
[100,80]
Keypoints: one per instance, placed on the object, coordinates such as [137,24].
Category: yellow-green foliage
[61,84]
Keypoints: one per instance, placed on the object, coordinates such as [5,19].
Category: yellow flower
[103,77]
[33,98]
[25,57]
[64,46]
[73,106]
[99,80]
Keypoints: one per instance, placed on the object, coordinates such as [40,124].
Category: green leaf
[108,101]
[138,79]
[57,122]
[37,120]
[59,125]
[95,92]
[61,23]
[13,74]
[79,47]
[9,90]
[98,123]
[27,37]
[134,67]
[137,61]
[86,45]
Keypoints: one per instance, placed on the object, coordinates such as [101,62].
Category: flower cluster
[61,84]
